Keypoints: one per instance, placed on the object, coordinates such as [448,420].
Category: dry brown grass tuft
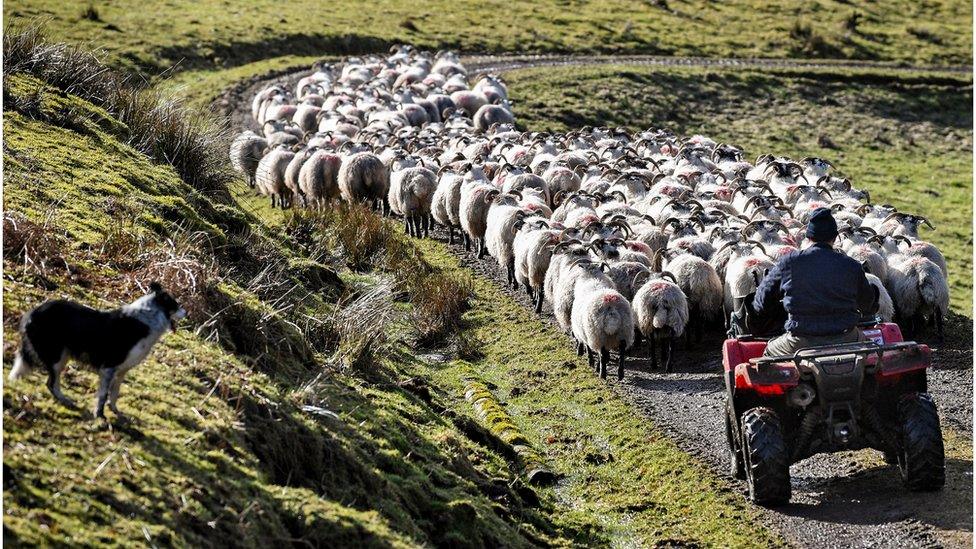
[38,247]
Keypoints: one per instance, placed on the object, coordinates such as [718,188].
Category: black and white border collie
[113,342]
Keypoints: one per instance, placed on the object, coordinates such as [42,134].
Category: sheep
[363,177]
[446,203]
[245,154]
[291,174]
[532,248]
[503,214]
[476,197]
[628,276]
[410,195]
[744,272]
[270,175]
[318,178]
[602,320]
[701,285]
[886,307]
[487,115]
[918,289]
[661,311]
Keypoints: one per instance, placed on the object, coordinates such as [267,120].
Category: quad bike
[870,394]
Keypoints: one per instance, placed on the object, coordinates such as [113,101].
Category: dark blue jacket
[823,291]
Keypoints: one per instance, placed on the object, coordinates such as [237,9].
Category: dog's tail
[24,360]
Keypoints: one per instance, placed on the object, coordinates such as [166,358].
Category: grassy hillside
[281,412]
[908,141]
[187,34]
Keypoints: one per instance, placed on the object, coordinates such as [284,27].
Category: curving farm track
[839,500]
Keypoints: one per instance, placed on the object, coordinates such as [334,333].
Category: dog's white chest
[139,352]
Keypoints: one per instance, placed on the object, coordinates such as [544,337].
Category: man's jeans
[787,344]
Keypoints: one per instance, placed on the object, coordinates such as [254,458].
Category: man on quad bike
[838,379]
[823,291]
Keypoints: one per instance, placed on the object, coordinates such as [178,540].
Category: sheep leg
[666,354]
[528,290]
[428,220]
[604,362]
[589,358]
[450,234]
[511,275]
[538,302]
[653,342]
[580,349]
[621,353]
[272,201]
[482,248]
[467,241]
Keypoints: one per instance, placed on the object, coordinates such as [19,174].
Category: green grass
[908,141]
[208,34]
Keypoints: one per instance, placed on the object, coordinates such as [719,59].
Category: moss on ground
[185,34]
[907,140]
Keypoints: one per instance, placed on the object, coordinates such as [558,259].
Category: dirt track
[841,500]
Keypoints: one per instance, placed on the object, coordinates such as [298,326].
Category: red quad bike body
[871,394]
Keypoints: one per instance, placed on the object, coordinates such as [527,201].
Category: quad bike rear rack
[855,348]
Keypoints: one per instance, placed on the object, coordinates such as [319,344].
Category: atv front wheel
[737,467]
[767,463]
[921,458]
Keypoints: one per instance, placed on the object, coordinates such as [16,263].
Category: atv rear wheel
[737,467]
[921,458]
[767,462]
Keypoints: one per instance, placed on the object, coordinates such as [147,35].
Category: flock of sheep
[628,236]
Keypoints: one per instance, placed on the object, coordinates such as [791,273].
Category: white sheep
[661,310]
[602,320]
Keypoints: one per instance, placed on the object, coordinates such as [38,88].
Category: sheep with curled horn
[902,224]
[747,266]
[874,214]
[815,167]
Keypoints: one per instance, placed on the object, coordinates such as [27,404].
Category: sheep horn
[666,274]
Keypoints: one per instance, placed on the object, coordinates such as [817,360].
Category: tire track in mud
[838,499]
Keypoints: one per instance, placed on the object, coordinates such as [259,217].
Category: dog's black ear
[155,287]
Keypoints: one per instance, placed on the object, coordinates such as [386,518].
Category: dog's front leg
[106,375]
